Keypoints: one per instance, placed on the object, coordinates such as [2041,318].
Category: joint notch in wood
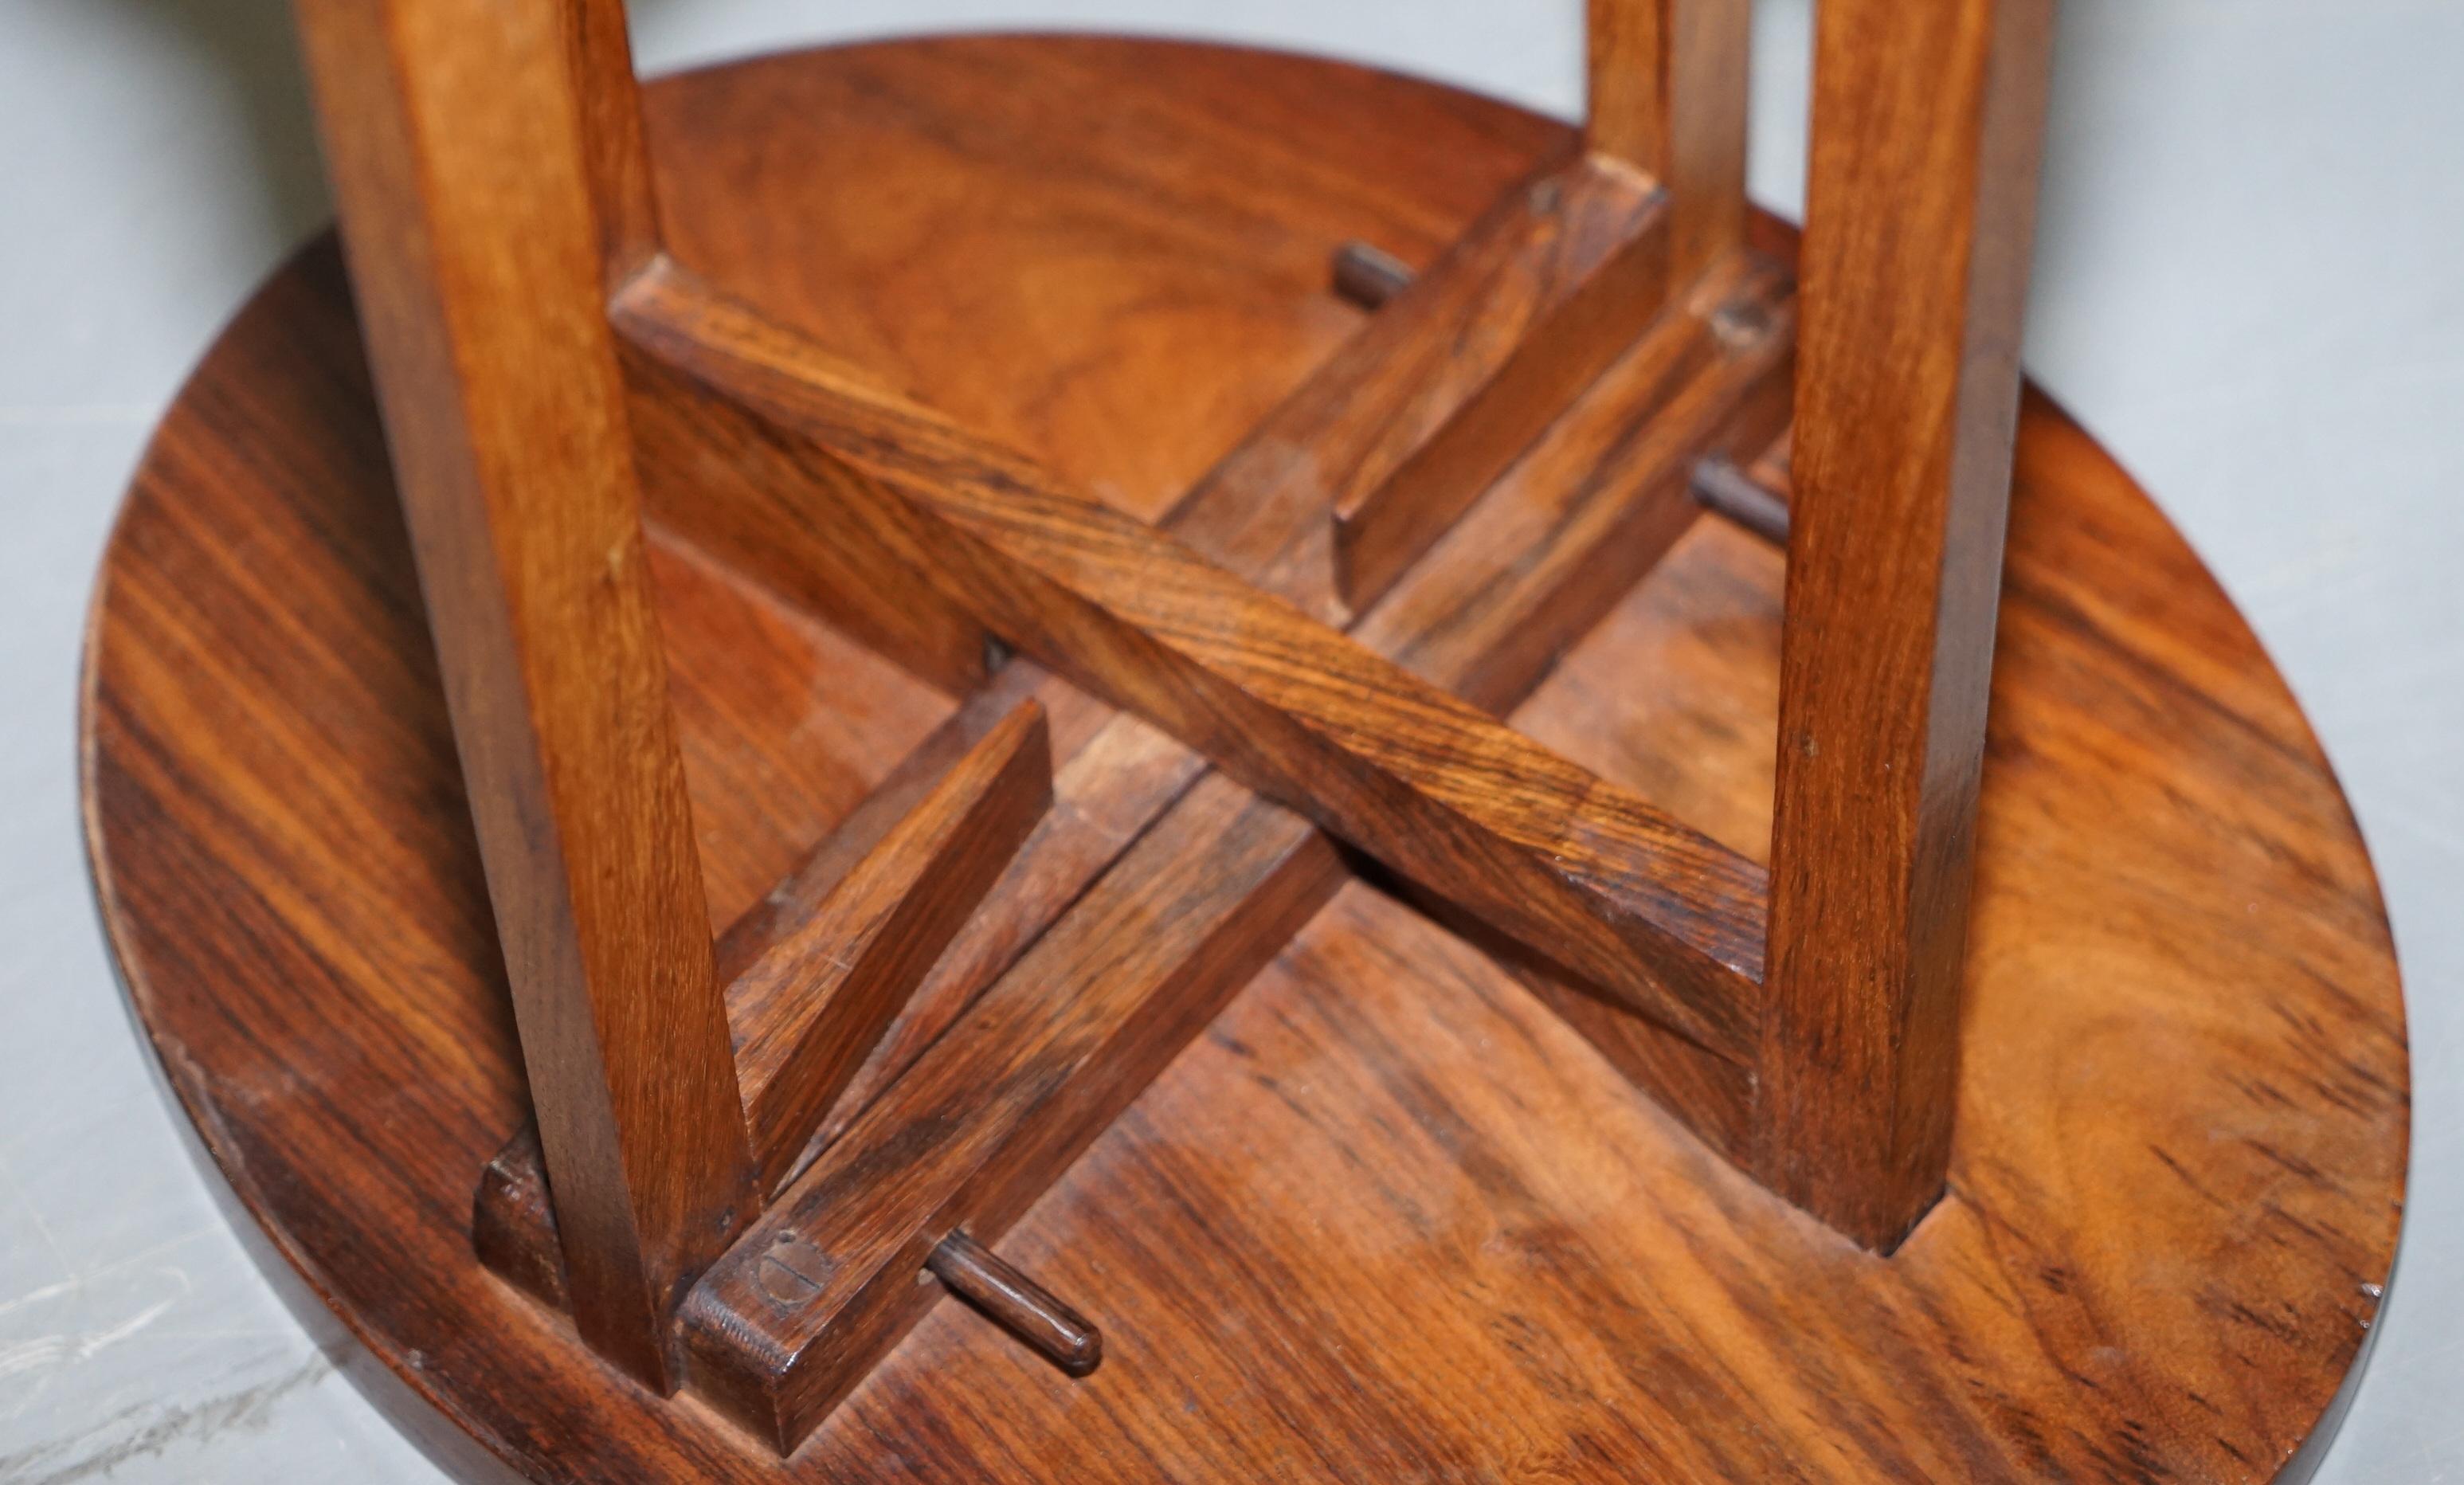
[1470,362]
[811,1008]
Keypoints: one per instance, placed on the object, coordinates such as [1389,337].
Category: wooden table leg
[456,142]
[1927,128]
[1668,85]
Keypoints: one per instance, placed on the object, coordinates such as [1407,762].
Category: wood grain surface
[1919,226]
[475,234]
[1404,428]
[812,1008]
[1668,90]
[1649,911]
[1386,1217]
[1598,502]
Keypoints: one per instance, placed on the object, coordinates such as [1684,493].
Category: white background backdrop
[2249,286]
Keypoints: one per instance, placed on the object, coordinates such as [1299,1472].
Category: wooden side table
[957,711]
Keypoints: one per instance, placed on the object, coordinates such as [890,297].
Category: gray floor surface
[2248,287]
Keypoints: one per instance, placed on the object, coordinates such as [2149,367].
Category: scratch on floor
[47,1352]
[65,1286]
[151,1427]
[59,1350]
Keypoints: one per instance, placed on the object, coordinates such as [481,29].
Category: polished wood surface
[812,1008]
[475,237]
[1021,1306]
[1666,93]
[1422,410]
[992,1113]
[1907,399]
[1597,503]
[1648,910]
[711,482]
[1384,1217]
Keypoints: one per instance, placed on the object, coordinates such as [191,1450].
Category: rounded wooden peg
[1018,1305]
[1368,275]
[1727,488]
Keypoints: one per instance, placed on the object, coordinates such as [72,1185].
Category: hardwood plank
[1646,909]
[858,831]
[453,133]
[514,1228]
[1404,427]
[1710,1096]
[1927,126]
[993,1112]
[781,1372]
[930,639]
[836,719]
[1676,692]
[1120,775]
[1667,96]
[1534,565]
[807,1014]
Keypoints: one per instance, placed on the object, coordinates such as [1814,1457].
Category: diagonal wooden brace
[973,1131]
[1532,567]
[1650,912]
[1529,569]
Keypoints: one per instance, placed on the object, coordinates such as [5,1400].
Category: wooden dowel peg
[1369,276]
[1018,1305]
[1727,489]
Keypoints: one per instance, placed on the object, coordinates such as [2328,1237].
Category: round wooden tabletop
[1388,1219]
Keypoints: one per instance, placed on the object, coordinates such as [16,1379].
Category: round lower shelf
[1388,1219]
